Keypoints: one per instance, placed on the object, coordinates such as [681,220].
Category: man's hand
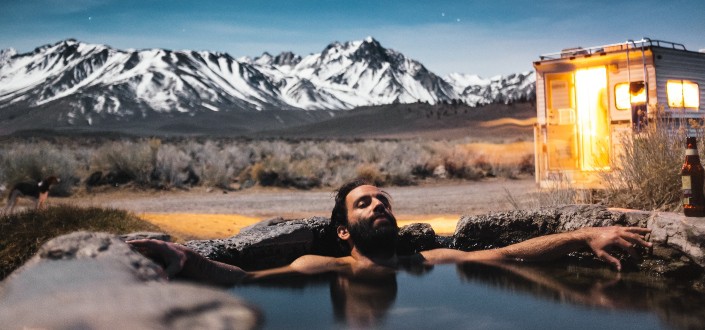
[627,238]
[172,257]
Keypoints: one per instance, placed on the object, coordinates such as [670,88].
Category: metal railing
[629,44]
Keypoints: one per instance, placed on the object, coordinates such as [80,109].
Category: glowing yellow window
[683,94]
[626,94]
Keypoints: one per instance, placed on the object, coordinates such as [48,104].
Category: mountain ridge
[91,83]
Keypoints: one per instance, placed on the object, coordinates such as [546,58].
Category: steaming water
[479,297]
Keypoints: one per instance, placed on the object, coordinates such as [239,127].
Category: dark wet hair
[339,216]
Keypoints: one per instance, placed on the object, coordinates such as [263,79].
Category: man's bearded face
[371,224]
[370,240]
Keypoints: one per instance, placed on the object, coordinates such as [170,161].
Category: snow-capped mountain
[95,81]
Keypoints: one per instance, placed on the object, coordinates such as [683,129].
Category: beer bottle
[692,181]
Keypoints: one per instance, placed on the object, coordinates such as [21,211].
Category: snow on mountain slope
[99,81]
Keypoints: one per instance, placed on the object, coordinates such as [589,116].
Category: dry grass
[24,232]
[648,173]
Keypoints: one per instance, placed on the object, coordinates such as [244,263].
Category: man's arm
[179,260]
[552,246]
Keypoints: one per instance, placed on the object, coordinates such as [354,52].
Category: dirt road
[457,198]
[201,213]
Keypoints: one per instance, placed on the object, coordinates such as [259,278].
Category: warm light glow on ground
[199,226]
[189,226]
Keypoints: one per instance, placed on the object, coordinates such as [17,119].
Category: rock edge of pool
[95,280]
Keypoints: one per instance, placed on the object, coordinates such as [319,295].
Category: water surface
[473,296]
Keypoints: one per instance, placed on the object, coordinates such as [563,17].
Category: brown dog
[37,191]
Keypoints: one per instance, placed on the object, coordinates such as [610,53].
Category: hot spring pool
[476,296]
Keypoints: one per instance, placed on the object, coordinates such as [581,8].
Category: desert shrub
[513,171]
[370,172]
[210,163]
[36,161]
[182,162]
[251,173]
[480,164]
[647,175]
[217,173]
[456,161]
[239,157]
[340,152]
[271,170]
[133,160]
[398,163]
[172,167]
[371,151]
[24,232]
[337,175]
[526,165]
[303,174]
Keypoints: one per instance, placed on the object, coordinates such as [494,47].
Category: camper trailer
[589,99]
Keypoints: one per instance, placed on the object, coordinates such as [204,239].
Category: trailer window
[626,94]
[683,94]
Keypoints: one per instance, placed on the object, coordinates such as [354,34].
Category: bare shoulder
[314,264]
[307,264]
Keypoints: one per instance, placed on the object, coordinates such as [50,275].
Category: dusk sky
[478,37]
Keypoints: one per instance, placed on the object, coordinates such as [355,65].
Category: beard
[372,241]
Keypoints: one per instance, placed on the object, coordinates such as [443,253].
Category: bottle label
[686,182]
[691,152]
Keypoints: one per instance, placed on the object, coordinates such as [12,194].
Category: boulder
[416,237]
[686,234]
[273,242]
[505,228]
[679,241]
[94,280]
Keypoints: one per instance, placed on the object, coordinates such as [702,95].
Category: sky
[486,38]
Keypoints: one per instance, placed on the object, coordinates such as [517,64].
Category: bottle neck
[691,152]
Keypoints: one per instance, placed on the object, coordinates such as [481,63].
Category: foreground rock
[90,280]
[94,281]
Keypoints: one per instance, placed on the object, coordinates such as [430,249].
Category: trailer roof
[627,45]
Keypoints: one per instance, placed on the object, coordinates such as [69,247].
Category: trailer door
[561,135]
[593,118]
[578,132]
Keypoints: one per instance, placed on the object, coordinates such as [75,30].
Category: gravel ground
[450,198]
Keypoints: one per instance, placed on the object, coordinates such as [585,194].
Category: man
[364,222]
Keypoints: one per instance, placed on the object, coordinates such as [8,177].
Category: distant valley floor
[396,121]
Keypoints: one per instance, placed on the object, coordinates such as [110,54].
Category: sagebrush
[226,164]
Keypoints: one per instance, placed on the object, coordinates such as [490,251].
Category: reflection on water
[498,296]
[362,303]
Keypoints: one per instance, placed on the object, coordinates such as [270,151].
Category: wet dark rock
[505,228]
[95,281]
[271,243]
[678,250]
[415,238]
